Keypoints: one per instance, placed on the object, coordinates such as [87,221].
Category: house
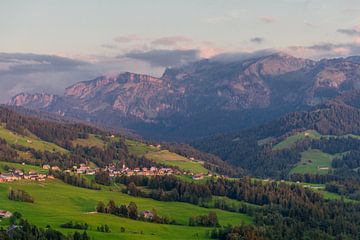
[8,177]
[82,169]
[55,168]
[46,167]
[5,214]
[18,173]
[146,214]
[198,176]
[90,172]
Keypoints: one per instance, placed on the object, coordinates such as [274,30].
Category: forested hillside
[274,149]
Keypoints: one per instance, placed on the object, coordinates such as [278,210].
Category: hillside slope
[274,149]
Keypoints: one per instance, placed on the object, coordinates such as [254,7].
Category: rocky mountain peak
[38,100]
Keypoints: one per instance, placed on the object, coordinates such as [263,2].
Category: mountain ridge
[225,95]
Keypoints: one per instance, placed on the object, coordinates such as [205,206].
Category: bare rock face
[39,100]
[224,95]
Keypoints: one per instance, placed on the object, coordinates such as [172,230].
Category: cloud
[350,32]
[240,56]
[165,58]
[257,40]
[52,74]
[109,46]
[34,72]
[21,63]
[171,41]
[267,19]
[128,38]
[325,50]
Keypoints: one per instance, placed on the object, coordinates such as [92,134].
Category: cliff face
[223,95]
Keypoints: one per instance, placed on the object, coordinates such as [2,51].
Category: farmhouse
[198,176]
[46,167]
[55,168]
[146,214]
[5,214]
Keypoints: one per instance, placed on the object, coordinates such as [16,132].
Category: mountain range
[202,98]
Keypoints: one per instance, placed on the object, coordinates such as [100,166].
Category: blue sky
[148,35]
[86,26]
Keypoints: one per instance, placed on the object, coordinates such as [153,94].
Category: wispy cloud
[109,46]
[165,58]
[257,40]
[349,32]
[128,38]
[325,50]
[171,41]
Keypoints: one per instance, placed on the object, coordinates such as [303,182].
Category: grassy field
[138,148]
[57,203]
[164,156]
[29,141]
[173,159]
[25,167]
[91,141]
[296,137]
[314,161]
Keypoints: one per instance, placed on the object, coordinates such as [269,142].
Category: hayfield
[57,203]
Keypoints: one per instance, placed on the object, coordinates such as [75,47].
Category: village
[16,174]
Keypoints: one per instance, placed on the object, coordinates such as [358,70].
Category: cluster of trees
[25,230]
[76,180]
[314,178]
[350,160]
[131,211]
[223,204]
[60,133]
[229,232]
[346,187]
[210,220]
[166,188]
[103,228]
[7,153]
[20,195]
[75,225]
[103,178]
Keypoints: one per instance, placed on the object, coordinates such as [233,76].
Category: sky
[47,45]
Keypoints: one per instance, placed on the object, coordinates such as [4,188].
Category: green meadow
[26,168]
[138,148]
[164,156]
[91,141]
[173,159]
[314,161]
[30,141]
[289,141]
[57,203]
